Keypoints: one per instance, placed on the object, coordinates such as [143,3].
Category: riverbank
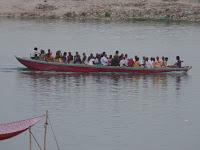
[174,10]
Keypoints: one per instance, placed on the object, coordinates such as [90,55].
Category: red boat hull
[62,67]
[9,130]
[10,135]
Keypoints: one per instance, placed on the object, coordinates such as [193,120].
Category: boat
[39,65]
[10,130]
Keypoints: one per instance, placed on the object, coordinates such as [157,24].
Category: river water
[102,112]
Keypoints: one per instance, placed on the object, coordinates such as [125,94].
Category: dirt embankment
[177,10]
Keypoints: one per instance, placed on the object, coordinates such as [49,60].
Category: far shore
[111,10]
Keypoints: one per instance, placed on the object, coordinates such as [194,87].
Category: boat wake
[13,69]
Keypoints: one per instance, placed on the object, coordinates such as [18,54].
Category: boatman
[178,62]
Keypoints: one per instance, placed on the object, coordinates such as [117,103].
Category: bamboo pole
[45,130]
[30,140]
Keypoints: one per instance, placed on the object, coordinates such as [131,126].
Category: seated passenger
[130,62]
[166,60]
[143,61]
[152,62]
[77,58]
[58,57]
[115,60]
[69,58]
[137,63]
[178,63]
[35,53]
[121,57]
[91,61]
[64,57]
[98,59]
[49,56]
[148,63]
[90,57]
[110,60]
[162,61]
[123,62]
[101,55]
[104,60]
[157,62]
[126,59]
[84,60]
[42,55]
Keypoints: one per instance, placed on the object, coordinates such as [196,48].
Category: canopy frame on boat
[10,130]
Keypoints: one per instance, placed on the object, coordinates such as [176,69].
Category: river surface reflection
[103,111]
[67,81]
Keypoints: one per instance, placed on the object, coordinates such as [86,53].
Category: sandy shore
[177,10]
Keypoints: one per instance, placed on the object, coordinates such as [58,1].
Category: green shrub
[83,14]
[68,14]
[107,14]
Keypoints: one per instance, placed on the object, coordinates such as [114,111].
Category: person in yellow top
[58,57]
[164,62]
[137,63]
[49,56]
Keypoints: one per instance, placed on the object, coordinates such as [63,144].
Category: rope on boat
[36,140]
[54,135]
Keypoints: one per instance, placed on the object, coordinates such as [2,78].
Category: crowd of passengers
[117,59]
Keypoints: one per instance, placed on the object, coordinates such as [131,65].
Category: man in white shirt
[91,61]
[122,62]
[148,64]
[35,53]
[104,60]
[143,61]
[126,60]
[152,62]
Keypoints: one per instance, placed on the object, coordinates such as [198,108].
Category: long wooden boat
[39,65]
